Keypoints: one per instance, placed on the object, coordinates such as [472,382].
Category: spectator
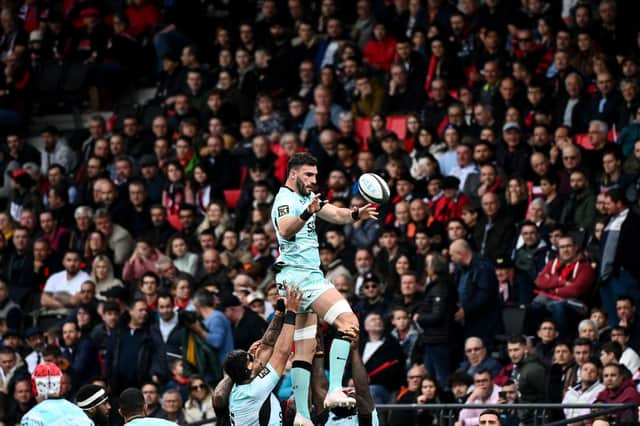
[563,278]
[81,353]
[628,356]
[617,270]
[119,239]
[485,392]
[477,292]
[494,233]
[477,358]
[62,289]
[172,407]
[247,325]
[381,355]
[56,151]
[435,317]
[217,328]
[408,395]
[584,393]
[131,341]
[618,389]
[199,405]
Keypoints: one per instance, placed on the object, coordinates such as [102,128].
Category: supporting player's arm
[319,382]
[270,336]
[342,215]
[282,347]
[220,398]
[364,400]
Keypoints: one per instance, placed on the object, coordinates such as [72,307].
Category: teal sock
[338,356]
[301,381]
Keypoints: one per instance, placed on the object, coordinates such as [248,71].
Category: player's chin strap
[307,333]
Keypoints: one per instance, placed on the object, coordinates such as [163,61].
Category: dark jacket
[478,296]
[579,114]
[435,314]
[499,238]
[124,371]
[250,328]
[390,352]
[579,212]
[532,379]
[83,359]
[173,345]
[626,253]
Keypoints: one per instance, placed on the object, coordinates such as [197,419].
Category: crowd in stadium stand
[137,251]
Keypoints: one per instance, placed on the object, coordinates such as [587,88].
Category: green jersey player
[294,213]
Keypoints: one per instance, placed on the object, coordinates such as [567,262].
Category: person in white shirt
[585,392]
[62,289]
[629,358]
[35,339]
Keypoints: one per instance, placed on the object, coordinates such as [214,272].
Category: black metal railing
[541,414]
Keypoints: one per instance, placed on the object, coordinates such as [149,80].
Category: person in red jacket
[619,390]
[563,278]
[380,51]
[450,204]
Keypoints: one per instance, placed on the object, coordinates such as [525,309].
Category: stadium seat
[363,129]
[582,139]
[513,319]
[398,125]
[231,197]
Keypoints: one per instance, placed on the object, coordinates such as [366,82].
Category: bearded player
[294,217]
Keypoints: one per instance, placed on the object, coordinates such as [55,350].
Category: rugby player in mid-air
[294,217]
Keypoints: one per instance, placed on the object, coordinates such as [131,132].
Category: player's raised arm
[342,215]
[270,336]
[282,347]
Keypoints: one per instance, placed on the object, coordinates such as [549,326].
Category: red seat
[363,128]
[398,125]
[583,140]
[231,196]
[613,135]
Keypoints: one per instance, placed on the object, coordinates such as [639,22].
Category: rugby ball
[373,188]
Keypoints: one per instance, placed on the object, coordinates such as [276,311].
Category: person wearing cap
[372,300]
[23,194]
[171,79]
[94,401]
[247,325]
[34,337]
[512,153]
[514,285]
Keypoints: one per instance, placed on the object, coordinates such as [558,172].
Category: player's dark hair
[131,402]
[235,365]
[301,159]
